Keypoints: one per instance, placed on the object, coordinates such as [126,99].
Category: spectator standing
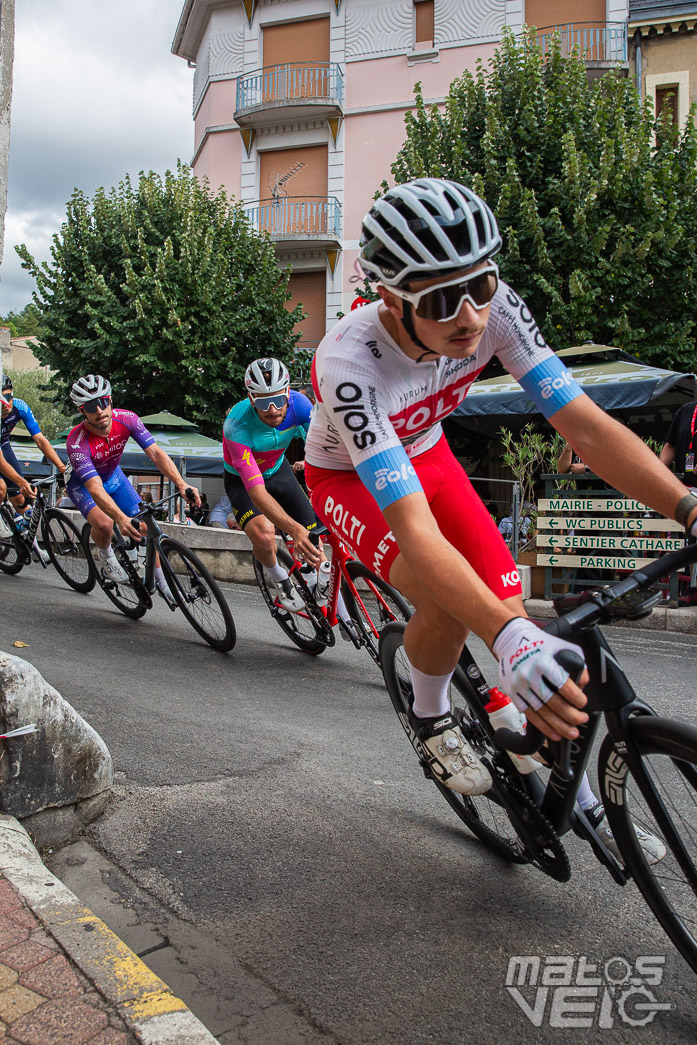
[681,442]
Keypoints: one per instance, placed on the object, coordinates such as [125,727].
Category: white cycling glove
[528,672]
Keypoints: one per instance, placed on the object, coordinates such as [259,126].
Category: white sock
[431,698]
[105,553]
[160,578]
[341,610]
[585,798]
[277,572]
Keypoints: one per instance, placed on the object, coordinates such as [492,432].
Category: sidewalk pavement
[65,977]
[682,620]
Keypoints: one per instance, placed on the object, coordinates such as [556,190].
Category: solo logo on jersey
[355,413]
[549,385]
[383,476]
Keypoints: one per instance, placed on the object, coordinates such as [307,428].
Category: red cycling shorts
[344,505]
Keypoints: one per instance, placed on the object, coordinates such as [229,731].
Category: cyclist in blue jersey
[13,411]
[383,478]
[7,472]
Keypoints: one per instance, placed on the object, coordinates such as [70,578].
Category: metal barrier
[515,509]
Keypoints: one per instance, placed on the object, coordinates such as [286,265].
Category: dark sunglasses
[7,395]
[96,404]
[443,301]
[263,403]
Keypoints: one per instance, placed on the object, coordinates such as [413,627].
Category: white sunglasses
[444,300]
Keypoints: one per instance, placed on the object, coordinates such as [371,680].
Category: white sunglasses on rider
[443,301]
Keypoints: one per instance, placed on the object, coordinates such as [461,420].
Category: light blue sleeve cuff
[550,386]
[389,475]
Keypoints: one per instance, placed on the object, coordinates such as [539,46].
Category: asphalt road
[275,853]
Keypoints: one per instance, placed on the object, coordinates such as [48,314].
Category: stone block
[63,763]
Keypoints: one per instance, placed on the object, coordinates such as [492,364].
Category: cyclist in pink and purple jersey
[98,486]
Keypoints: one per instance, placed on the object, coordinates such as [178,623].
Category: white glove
[528,672]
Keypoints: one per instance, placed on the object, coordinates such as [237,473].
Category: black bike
[647,765]
[192,587]
[61,539]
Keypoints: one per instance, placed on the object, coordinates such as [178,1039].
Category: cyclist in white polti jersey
[383,478]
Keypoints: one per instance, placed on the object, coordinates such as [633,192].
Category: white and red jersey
[377,408]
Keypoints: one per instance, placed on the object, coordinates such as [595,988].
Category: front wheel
[63,542]
[197,595]
[131,597]
[304,628]
[372,603]
[482,814]
[653,787]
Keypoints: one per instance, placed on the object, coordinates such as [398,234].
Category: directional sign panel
[590,504]
[633,525]
[594,562]
[616,542]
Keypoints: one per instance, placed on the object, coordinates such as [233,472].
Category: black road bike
[192,587]
[647,764]
[59,535]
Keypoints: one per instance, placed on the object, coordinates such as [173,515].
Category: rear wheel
[374,604]
[482,814]
[63,542]
[653,787]
[304,629]
[130,597]
[198,595]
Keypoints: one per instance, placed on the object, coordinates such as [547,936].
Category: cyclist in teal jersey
[259,481]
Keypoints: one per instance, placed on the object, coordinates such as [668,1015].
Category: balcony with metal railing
[294,90]
[601,45]
[299,219]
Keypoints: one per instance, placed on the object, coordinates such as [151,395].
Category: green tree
[166,289]
[597,203]
[26,323]
[40,393]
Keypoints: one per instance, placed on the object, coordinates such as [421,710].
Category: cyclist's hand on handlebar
[130,528]
[304,548]
[27,490]
[191,495]
[536,682]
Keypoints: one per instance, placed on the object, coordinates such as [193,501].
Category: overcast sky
[97,94]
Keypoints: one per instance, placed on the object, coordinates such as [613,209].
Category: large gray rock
[62,768]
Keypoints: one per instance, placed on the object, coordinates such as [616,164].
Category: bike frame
[339,557]
[27,536]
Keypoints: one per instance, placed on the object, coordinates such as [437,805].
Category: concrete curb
[682,621]
[146,1005]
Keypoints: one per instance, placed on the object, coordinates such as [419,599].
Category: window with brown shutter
[424,23]
[667,101]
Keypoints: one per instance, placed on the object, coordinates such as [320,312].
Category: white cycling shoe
[288,597]
[111,570]
[449,756]
[5,530]
[652,847]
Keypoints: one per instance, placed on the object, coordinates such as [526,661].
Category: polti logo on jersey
[509,579]
[422,415]
[383,476]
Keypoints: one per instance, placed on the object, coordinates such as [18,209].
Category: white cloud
[97,94]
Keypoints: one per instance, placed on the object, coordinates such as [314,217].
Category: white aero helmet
[90,387]
[424,228]
[266,377]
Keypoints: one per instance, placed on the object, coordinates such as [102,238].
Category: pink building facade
[299,109]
